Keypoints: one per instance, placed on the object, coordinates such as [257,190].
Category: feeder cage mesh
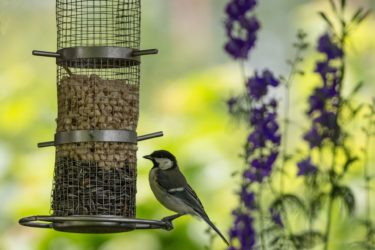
[96,93]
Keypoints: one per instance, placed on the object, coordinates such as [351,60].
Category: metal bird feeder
[98,73]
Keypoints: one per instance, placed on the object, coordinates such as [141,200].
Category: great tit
[172,190]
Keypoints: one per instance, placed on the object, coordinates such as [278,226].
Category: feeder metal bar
[45,53]
[150,136]
[145,52]
[105,223]
[139,138]
[95,135]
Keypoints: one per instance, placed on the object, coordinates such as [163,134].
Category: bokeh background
[183,93]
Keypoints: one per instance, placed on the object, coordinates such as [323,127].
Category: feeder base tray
[94,223]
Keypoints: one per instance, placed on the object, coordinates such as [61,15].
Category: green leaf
[349,162]
[333,5]
[343,5]
[357,14]
[362,245]
[364,16]
[359,108]
[357,88]
[308,239]
[326,19]
[346,196]
[301,34]
[271,230]
[288,200]
[317,203]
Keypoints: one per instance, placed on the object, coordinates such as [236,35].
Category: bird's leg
[168,220]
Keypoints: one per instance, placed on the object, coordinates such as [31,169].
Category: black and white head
[162,159]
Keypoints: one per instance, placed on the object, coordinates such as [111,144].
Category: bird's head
[162,159]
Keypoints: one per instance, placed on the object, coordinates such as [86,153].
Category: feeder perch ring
[103,135]
[93,56]
[93,223]
[139,138]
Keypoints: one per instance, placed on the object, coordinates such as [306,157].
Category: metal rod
[145,52]
[150,136]
[46,144]
[45,53]
[139,138]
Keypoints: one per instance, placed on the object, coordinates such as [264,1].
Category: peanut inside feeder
[94,178]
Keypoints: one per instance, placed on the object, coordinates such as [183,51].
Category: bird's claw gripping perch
[168,221]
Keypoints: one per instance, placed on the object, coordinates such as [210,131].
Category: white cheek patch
[164,163]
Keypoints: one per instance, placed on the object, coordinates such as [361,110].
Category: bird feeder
[98,73]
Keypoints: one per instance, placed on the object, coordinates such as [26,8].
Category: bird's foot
[168,221]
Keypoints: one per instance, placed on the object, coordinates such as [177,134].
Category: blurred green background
[183,93]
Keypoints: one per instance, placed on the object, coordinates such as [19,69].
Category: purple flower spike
[238,8]
[305,167]
[269,79]
[241,37]
[326,46]
[243,231]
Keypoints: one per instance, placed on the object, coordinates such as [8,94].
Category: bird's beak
[148,157]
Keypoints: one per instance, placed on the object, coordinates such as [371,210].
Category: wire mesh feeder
[98,74]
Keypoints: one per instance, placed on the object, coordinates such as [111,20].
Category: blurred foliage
[183,92]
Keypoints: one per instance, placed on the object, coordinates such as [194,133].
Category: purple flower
[257,114]
[328,47]
[256,140]
[313,137]
[323,68]
[316,101]
[241,37]
[270,128]
[248,198]
[261,167]
[244,231]
[257,86]
[238,48]
[270,79]
[327,120]
[305,167]
[238,8]
[250,24]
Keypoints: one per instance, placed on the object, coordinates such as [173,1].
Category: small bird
[172,190]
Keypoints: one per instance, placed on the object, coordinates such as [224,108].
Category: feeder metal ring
[104,135]
[93,223]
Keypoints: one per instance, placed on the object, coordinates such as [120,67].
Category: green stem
[335,146]
[329,222]
[285,132]
[261,220]
[367,178]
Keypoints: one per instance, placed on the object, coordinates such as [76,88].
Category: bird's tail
[209,222]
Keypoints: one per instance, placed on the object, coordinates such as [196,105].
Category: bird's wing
[190,198]
[171,179]
[174,183]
